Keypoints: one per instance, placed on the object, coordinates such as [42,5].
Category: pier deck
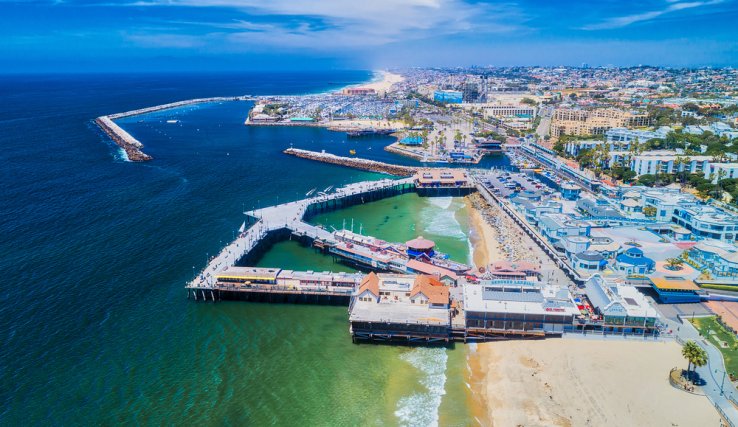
[290,216]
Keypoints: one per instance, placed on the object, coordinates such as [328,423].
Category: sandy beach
[583,382]
[484,238]
[384,85]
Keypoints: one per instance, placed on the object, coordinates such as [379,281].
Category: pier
[353,162]
[289,219]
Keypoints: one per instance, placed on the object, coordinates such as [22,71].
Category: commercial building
[398,306]
[360,91]
[720,259]
[668,162]
[448,96]
[622,307]
[632,262]
[431,178]
[503,111]
[569,121]
[675,289]
[623,137]
[517,306]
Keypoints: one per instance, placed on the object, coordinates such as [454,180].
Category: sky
[154,35]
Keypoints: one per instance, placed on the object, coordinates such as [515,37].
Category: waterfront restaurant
[233,274]
[623,307]
[401,306]
[446,178]
[675,289]
[517,307]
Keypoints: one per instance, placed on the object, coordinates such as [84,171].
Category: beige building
[594,122]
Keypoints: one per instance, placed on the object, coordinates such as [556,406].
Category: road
[545,125]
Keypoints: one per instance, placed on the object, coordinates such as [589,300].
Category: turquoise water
[94,321]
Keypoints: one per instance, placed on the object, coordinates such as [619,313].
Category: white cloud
[624,21]
[331,24]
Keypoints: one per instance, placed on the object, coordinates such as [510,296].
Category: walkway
[287,215]
[712,372]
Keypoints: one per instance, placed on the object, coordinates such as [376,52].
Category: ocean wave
[442,222]
[421,409]
[441,202]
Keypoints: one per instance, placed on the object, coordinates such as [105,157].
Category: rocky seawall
[353,162]
[123,139]
[131,145]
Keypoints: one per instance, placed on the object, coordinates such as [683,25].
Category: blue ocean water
[95,252]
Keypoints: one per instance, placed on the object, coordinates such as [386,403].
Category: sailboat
[242,228]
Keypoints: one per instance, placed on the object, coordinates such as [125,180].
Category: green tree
[649,211]
[648,180]
[674,263]
[695,355]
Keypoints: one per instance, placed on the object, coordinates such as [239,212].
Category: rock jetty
[353,162]
[123,139]
[131,145]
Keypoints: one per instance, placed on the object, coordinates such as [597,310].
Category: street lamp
[722,382]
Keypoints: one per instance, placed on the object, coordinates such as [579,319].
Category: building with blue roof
[632,261]
[412,140]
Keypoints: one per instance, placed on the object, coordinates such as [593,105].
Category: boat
[352,152]
[172,121]
[310,192]
[328,189]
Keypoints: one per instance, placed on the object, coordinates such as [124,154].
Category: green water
[402,218]
[376,384]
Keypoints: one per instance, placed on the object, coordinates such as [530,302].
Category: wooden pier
[289,218]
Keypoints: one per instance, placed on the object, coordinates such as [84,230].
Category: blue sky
[69,35]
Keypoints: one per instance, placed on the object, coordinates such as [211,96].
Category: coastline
[573,382]
[485,239]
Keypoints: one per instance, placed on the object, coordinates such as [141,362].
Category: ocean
[95,252]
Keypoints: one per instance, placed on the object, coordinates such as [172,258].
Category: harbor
[133,147]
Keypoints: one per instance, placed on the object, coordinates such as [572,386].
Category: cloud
[624,21]
[335,24]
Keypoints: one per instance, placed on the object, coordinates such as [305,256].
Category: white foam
[441,202]
[421,409]
[442,222]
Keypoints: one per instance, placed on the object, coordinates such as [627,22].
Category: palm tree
[695,355]
[674,263]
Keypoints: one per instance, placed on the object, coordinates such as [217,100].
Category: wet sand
[484,238]
[582,382]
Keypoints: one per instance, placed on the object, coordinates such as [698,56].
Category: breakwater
[175,105]
[123,139]
[353,162]
[131,145]
[395,149]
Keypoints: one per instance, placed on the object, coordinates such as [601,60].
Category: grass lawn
[720,287]
[717,334]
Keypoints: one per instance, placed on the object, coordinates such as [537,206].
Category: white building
[716,171]
[665,161]
[625,135]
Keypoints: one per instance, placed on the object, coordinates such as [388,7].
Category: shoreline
[571,382]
